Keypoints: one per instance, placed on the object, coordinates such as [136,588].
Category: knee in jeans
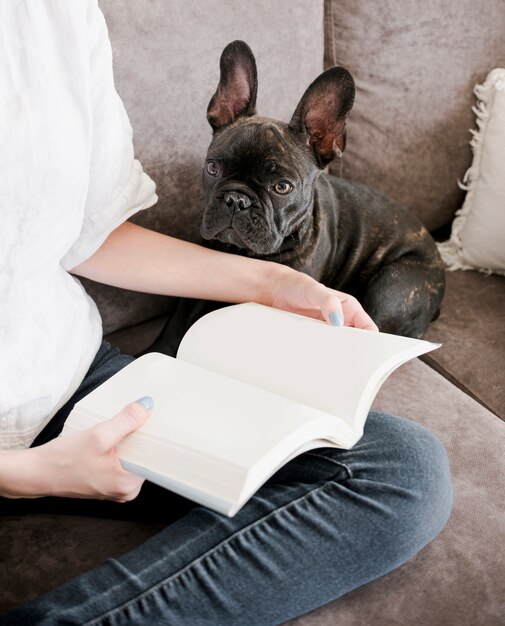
[422,470]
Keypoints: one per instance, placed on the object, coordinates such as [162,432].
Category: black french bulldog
[267,197]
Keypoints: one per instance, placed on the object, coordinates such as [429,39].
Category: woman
[329,521]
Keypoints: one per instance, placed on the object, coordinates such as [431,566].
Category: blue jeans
[327,522]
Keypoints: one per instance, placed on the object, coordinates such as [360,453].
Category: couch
[415,66]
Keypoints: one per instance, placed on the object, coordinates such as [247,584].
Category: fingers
[340,308]
[333,310]
[110,432]
[361,319]
[325,300]
[86,464]
[355,315]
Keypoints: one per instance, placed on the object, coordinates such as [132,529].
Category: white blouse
[67,179]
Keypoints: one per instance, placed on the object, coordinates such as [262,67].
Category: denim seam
[201,558]
[330,460]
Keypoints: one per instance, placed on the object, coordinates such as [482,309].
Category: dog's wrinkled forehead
[249,142]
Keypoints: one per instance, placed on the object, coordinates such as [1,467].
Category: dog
[267,196]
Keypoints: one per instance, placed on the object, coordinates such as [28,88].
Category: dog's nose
[237,200]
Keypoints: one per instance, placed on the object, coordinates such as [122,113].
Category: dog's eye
[212,168]
[283,187]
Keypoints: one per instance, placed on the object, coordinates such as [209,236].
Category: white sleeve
[118,188]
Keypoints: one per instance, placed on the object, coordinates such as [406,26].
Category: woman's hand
[81,465]
[297,292]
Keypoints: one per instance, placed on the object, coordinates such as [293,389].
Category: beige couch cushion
[415,66]
[471,330]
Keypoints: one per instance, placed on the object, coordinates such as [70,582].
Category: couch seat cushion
[45,542]
[471,328]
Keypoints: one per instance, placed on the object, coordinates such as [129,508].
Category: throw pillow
[478,232]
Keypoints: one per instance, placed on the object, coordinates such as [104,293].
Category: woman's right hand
[81,465]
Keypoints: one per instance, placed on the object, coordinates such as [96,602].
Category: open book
[251,388]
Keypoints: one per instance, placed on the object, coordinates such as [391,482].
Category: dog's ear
[238,86]
[322,112]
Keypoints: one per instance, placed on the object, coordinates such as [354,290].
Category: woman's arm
[143,260]
[136,258]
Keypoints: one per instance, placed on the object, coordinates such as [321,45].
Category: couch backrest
[166,67]
[415,65]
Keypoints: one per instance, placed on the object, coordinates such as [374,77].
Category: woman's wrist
[20,475]
[271,278]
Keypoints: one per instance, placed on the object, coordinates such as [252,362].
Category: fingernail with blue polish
[336,318]
[146,402]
